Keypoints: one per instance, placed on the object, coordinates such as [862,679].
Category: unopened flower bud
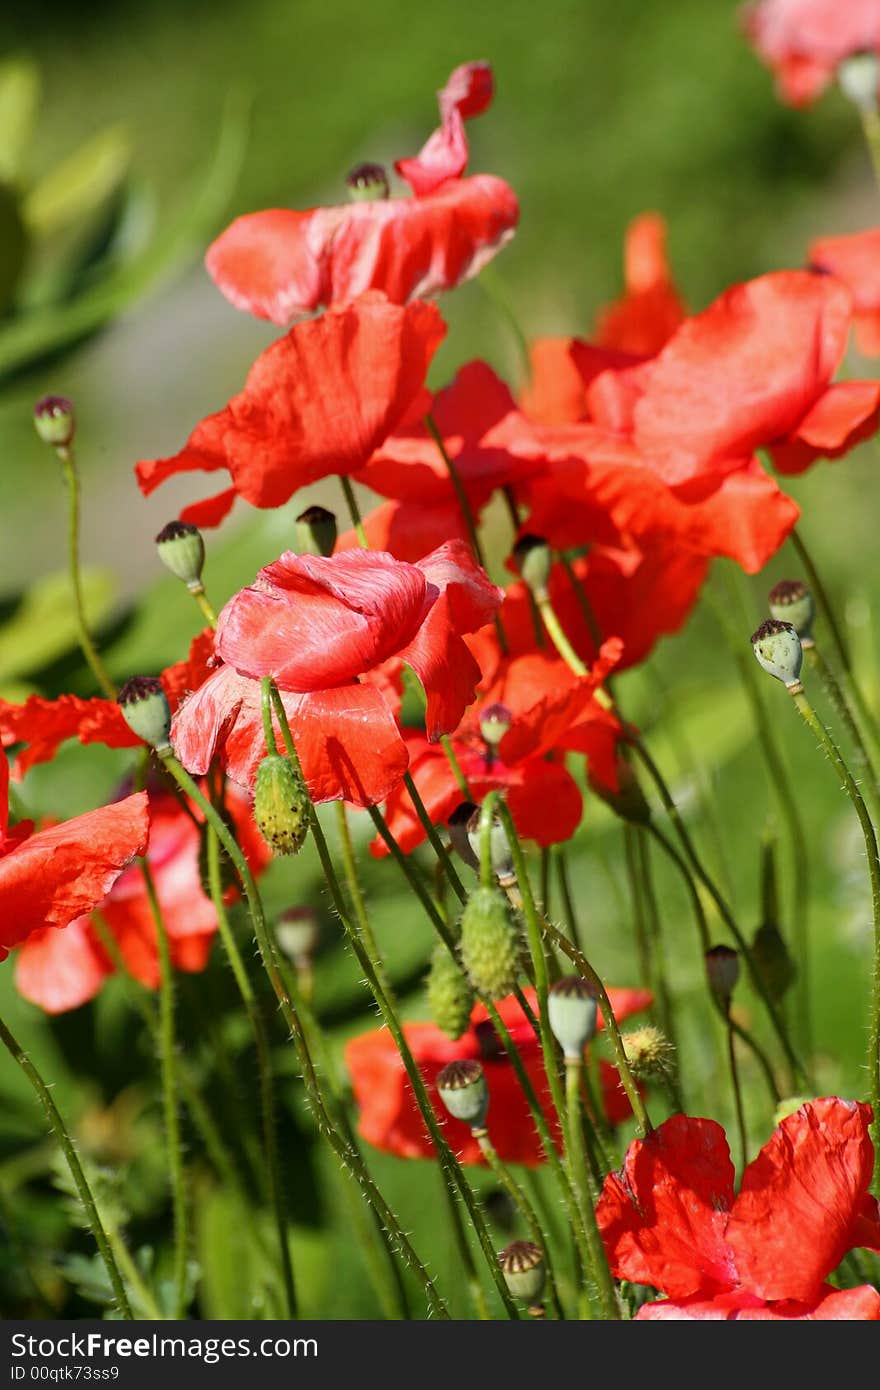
[859,78]
[495,720]
[54,421]
[650,1053]
[572,1012]
[450,996]
[490,943]
[181,549]
[298,932]
[628,801]
[281,805]
[789,1106]
[367,183]
[146,711]
[533,562]
[773,960]
[457,825]
[316,531]
[464,1091]
[722,968]
[778,649]
[502,859]
[791,601]
[525,1273]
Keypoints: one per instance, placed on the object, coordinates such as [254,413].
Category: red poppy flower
[805,41]
[317,402]
[855,259]
[43,725]
[390,1118]
[550,711]
[62,970]
[318,626]
[407,530]
[281,264]
[50,877]
[669,1218]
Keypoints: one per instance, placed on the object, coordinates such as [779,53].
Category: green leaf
[19,96]
[43,626]
[77,186]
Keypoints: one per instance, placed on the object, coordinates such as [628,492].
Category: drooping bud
[791,601]
[859,78]
[457,825]
[495,720]
[773,960]
[572,1012]
[298,932]
[367,183]
[502,859]
[54,421]
[146,711]
[779,651]
[722,968]
[525,1273]
[533,561]
[464,1091]
[181,548]
[281,805]
[490,943]
[628,801]
[650,1054]
[450,996]
[316,531]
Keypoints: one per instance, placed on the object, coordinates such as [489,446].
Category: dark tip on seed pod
[572,1013]
[778,650]
[533,562]
[316,531]
[181,548]
[722,968]
[367,183]
[791,601]
[55,421]
[146,711]
[464,1091]
[522,1265]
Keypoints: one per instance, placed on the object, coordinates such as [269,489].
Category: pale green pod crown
[464,1091]
[281,805]
[146,711]
[525,1273]
[572,1012]
[791,601]
[778,650]
[181,548]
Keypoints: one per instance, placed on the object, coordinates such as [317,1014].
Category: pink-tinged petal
[468,92]
[843,417]
[803,41]
[348,743]
[60,970]
[663,1216]
[264,264]
[724,1307]
[832,1305]
[793,1220]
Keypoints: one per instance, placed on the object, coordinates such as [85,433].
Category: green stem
[737,1096]
[357,897]
[354,511]
[524,1206]
[490,282]
[55,1122]
[816,658]
[577,1165]
[136,1282]
[89,650]
[558,637]
[871,128]
[204,603]
[434,839]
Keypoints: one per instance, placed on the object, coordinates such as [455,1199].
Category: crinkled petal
[843,417]
[468,92]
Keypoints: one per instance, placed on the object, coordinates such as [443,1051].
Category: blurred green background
[602,110]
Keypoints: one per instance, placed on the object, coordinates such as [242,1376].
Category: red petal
[803,41]
[467,93]
[833,1305]
[212,510]
[408,530]
[793,1220]
[555,393]
[843,417]
[348,743]
[45,724]
[663,1216]
[645,319]
[60,970]
[854,259]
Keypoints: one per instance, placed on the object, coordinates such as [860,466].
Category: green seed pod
[533,561]
[722,968]
[145,710]
[791,601]
[54,421]
[495,720]
[298,932]
[650,1054]
[772,958]
[367,183]
[316,531]
[859,79]
[525,1273]
[450,996]
[490,943]
[281,805]
[572,1012]
[181,549]
[779,651]
[629,800]
[464,1091]
[502,859]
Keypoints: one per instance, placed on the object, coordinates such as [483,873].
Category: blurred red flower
[855,259]
[50,877]
[324,629]
[669,1218]
[281,264]
[390,1118]
[805,41]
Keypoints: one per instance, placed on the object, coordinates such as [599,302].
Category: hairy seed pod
[525,1273]
[281,805]
[490,943]
[450,996]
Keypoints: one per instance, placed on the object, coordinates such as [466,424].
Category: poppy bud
[495,721]
[789,1106]
[791,601]
[181,549]
[502,859]
[489,943]
[297,932]
[772,959]
[533,561]
[650,1053]
[146,711]
[572,1012]
[629,801]
[464,1091]
[722,968]
[778,649]
[450,996]
[525,1274]
[367,183]
[55,421]
[316,531]
[859,78]
[281,805]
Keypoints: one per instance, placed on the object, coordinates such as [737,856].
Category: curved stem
[434,839]
[89,650]
[737,1096]
[355,892]
[204,603]
[558,637]
[816,658]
